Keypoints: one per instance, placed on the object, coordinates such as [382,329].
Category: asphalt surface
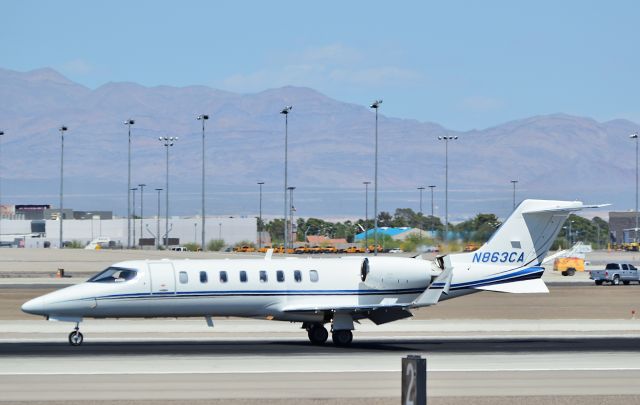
[274,348]
[577,345]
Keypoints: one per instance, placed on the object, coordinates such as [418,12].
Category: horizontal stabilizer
[518,287]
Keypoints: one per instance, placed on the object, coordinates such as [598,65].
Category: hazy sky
[463,64]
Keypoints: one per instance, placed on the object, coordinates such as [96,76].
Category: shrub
[215,245]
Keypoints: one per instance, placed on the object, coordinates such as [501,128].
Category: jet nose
[34,306]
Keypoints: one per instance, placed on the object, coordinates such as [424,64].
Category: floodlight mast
[1,133]
[446,140]
[635,136]
[62,130]
[285,111]
[203,118]
[128,123]
[167,141]
[375,105]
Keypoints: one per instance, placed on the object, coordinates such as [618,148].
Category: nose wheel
[75,337]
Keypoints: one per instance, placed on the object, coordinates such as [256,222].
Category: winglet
[268,255]
[439,286]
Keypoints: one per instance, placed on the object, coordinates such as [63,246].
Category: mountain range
[330,154]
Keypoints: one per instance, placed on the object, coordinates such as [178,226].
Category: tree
[385,219]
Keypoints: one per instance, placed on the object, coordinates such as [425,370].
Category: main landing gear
[75,337]
[342,337]
[318,335]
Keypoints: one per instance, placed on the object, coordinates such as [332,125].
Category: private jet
[315,292]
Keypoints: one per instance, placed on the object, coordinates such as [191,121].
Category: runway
[289,369]
[578,344]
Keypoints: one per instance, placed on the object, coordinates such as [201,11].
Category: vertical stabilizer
[525,237]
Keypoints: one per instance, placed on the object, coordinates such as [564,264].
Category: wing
[388,312]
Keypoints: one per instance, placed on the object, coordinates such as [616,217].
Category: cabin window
[183,277]
[243,276]
[625,267]
[223,277]
[313,275]
[632,267]
[297,275]
[263,276]
[612,266]
[203,277]
[113,275]
[280,276]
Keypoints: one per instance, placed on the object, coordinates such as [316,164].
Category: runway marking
[394,370]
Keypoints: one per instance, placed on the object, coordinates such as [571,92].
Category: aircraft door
[163,279]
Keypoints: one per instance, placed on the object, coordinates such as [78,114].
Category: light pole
[133,214]
[158,221]
[203,118]
[128,123]
[286,110]
[167,141]
[195,232]
[514,193]
[375,105]
[432,187]
[219,230]
[1,134]
[62,130]
[142,186]
[421,190]
[446,140]
[635,136]
[366,214]
[260,183]
[291,209]
[85,216]
[570,233]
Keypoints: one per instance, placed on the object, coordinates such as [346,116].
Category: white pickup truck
[615,273]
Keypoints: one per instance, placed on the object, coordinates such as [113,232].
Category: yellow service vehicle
[568,265]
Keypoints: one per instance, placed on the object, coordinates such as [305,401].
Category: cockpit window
[114,275]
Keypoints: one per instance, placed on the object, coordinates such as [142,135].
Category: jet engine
[385,273]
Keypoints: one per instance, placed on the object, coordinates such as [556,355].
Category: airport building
[40,227]
[622,227]
[400,233]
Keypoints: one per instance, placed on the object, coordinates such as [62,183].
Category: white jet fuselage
[257,288]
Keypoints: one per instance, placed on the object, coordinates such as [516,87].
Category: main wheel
[342,337]
[317,334]
[75,338]
[616,280]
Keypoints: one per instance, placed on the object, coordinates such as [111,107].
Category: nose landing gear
[75,337]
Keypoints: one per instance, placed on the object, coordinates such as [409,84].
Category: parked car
[396,251]
[615,273]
